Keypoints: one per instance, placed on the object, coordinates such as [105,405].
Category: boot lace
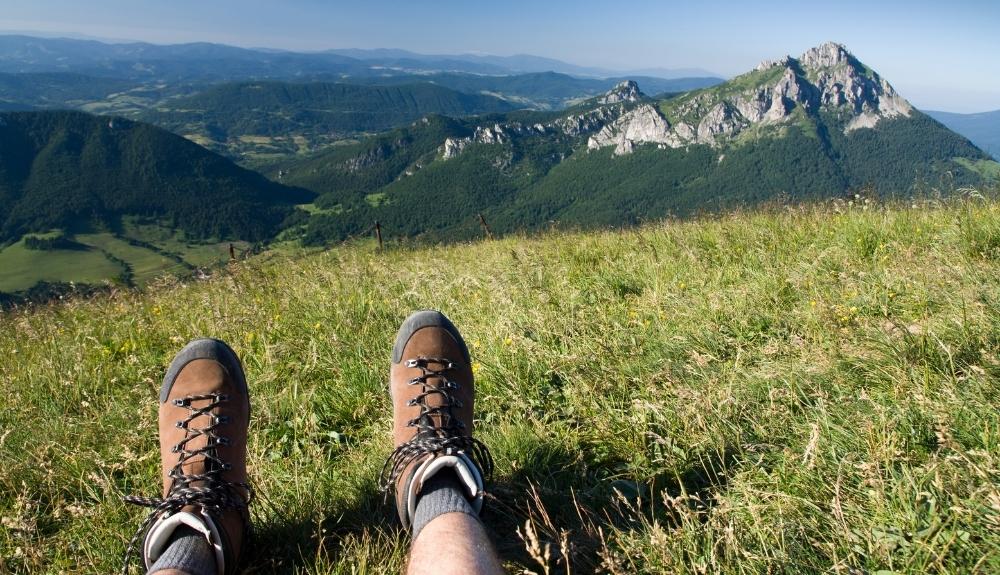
[448,439]
[207,490]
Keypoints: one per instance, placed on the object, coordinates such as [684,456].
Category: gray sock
[443,493]
[187,551]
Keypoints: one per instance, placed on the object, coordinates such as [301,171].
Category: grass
[21,268]
[806,391]
[146,264]
[377,199]
[988,169]
[161,251]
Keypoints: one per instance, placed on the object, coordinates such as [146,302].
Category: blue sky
[939,55]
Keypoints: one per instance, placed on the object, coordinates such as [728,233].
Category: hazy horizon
[939,58]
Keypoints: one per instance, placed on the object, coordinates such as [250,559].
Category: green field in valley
[154,251]
[21,268]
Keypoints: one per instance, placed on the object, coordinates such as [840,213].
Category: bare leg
[453,544]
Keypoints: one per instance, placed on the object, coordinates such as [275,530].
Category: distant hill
[543,90]
[517,64]
[57,90]
[95,94]
[201,60]
[153,62]
[274,116]
[982,128]
[14,107]
[216,62]
[71,170]
[817,126]
[356,170]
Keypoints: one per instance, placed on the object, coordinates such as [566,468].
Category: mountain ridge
[283,116]
[201,60]
[64,170]
[804,128]
[824,79]
[526,64]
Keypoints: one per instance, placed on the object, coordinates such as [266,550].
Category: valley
[348,146]
[132,257]
[740,322]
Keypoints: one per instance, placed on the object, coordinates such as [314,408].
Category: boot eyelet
[411,403]
[227,466]
[224,397]
[222,419]
[181,402]
[181,425]
[412,363]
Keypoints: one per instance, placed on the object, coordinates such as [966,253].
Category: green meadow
[811,390]
[139,255]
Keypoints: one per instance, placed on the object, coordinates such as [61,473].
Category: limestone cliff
[627,91]
[825,79]
[826,82]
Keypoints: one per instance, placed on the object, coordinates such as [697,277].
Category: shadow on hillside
[565,508]
[284,544]
[579,515]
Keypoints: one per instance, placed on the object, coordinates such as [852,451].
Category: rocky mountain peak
[846,86]
[826,81]
[625,91]
[828,55]
[764,65]
[826,85]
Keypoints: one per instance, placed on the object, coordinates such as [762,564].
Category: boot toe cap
[204,348]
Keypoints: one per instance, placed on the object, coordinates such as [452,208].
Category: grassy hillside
[541,90]
[809,391]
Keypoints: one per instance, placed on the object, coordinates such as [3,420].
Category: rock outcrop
[825,79]
[369,158]
[642,125]
[627,91]
[498,133]
[587,122]
[843,82]
[574,125]
[454,146]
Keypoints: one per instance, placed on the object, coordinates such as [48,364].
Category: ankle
[187,552]
[442,493]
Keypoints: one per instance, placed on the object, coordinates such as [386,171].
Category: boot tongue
[199,464]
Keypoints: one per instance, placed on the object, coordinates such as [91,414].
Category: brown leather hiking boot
[204,415]
[432,392]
